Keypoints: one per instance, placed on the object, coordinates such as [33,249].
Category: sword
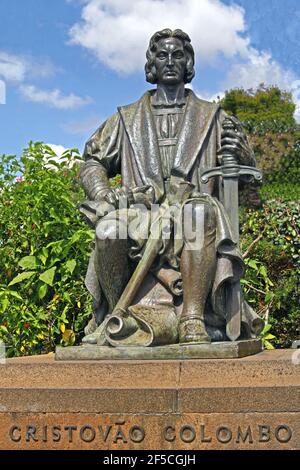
[230,172]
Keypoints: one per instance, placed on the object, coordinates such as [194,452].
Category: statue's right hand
[103,208]
[105,202]
[111,197]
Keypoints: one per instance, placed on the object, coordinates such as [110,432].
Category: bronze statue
[181,155]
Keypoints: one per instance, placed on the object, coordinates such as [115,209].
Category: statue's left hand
[179,191]
[126,197]
[144,195]
[234,140]
[115,195]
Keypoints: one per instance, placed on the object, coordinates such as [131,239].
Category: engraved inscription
[120,433]
[225,434]
[86,433]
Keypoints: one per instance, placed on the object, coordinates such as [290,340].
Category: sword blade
[231,203]
[233,301]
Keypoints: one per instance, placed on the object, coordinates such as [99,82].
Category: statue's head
[170,58]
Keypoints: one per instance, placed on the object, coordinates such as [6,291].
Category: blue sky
[67,64]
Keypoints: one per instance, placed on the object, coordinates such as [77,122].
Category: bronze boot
[192,330]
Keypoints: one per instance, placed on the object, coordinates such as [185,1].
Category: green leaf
[54,214]
[53,162]
[71,265]
[4,304]
[35,219]
[15,294]
[28,262]
[263,271]
[75,237]
[66,199]
[69,337]
[48,276]
[252,264]
[43,289]
[268,345]
[269,336]
[43,259]
[269,296]
[266,329]
[44,255]
[21,277]
[66,296]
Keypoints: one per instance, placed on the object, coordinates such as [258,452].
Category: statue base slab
[246,403]
[222,350]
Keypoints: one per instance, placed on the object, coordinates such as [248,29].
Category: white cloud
[209,96]
[12,68]
[261,68]
[2,92]
[295,89]
[16,68]
[53,98]
[117,32]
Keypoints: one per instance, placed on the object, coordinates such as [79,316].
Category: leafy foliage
[268,118]
[44,248]
[270,218]
[271,284]
[267,337]
[264,108]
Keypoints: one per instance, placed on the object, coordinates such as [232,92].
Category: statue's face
[170,61]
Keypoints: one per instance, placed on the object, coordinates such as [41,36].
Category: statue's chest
[168,122]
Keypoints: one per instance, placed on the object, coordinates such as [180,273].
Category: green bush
[267,114]
[281,192]
[271,283]
[44,249]
[267,107]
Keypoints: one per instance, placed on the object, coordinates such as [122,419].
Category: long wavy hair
[150,69]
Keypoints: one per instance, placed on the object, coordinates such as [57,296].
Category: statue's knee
[203,214]
[106,230]
[199,223]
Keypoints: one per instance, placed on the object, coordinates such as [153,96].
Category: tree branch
[251,246]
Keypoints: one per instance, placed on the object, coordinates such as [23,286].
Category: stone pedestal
[246,403]
[222,350]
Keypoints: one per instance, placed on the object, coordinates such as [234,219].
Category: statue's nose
[170,60]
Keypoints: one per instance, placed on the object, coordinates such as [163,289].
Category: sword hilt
[231,170]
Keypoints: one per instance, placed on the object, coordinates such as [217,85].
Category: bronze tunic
[168,121]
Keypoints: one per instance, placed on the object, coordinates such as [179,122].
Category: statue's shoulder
[105,130]
[102,133]
[132,107]
[106,126]
[209,105]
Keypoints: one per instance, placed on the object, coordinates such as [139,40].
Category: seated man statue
[164,289]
